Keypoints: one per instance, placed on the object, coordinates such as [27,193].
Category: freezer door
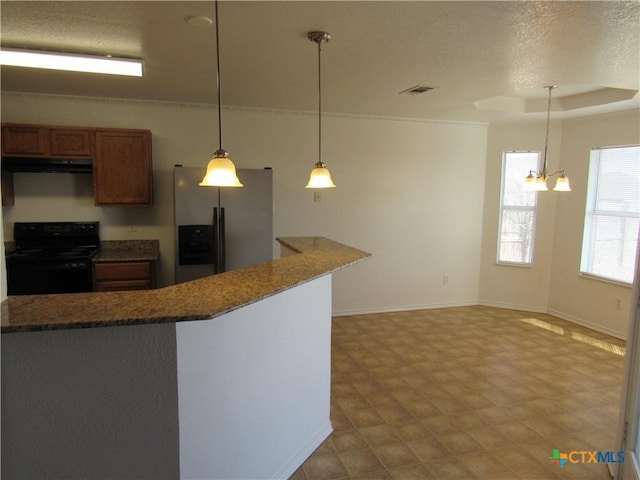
[248,217]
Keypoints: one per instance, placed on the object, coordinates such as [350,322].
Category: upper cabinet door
[70,142]
[122,172]
[25,140]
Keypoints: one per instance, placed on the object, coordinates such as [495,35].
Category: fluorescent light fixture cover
[71,62]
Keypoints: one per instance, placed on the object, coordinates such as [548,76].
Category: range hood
[55,165]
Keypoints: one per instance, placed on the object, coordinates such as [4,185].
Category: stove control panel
[22,230]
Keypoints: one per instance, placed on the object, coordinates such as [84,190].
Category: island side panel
[254,386]
[95,403]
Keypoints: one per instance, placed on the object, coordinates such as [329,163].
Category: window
[612,214]
[517,209]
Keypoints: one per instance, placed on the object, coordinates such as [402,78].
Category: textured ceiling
[487,61]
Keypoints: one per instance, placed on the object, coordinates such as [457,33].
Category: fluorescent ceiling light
[71,62]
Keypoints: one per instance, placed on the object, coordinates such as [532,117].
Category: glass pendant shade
[221,172]
[535,184]
[541,184]
[562,184]
[530,183]
[320,177]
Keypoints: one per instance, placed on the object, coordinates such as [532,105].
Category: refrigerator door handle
[222,245]
[218,240]
[214,223]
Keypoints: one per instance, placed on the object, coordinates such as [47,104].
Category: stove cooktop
[54,241]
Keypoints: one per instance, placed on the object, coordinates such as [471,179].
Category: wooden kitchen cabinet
[44,141]
[25,140]
[115,276]
[122,168]
[70,142]
[122,164]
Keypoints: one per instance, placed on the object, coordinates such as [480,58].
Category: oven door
[49,277]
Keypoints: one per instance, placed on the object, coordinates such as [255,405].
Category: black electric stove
[52,257]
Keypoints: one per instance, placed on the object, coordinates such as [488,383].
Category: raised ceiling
[486,61]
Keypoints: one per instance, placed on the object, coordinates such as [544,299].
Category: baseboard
[432,306]
[484,303]
[299,458]
[556,313]
[513,306]
[584,323]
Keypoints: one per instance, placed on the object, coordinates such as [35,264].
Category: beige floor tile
[423,409]
[359,462]
[489,437]
[428,449]
[411,472]
[395,455]
[365,417]
[349,440]
[381,398]
[459,443]
[517,431]
[325,447]
[450,469]
[544,426]
[483,464]
[466,393]
[440,424]
[380,475]
[319,467]
[380,434]
[412,431]
[299,475]
[393,413]
[351,402]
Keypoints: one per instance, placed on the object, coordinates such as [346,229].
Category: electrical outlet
[618,303]
[445,280]
[133,228]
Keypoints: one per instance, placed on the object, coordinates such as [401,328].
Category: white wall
[254,384]
[410,192]
[590,301]
[97,403]
[525,288]
[553,283]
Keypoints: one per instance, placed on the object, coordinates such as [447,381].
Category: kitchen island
[223,377]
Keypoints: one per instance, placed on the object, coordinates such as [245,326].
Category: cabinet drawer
[120,285]
[123,271]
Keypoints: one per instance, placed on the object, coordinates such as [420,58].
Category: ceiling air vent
[418,89]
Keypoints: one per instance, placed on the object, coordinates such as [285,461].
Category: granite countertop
[200,299]
[128,251]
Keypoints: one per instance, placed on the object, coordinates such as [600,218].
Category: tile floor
[467,393]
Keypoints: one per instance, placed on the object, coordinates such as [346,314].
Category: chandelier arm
[218,79]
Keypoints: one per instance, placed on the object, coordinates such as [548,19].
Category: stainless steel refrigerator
[220,228]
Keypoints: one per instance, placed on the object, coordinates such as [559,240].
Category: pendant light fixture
[320,176]
[538,181]
[221,172]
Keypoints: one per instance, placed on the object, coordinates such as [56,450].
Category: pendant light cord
[218,79]
[546,138]
[319,105]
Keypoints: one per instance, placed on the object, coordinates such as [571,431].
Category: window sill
[514,264]
[605,280]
